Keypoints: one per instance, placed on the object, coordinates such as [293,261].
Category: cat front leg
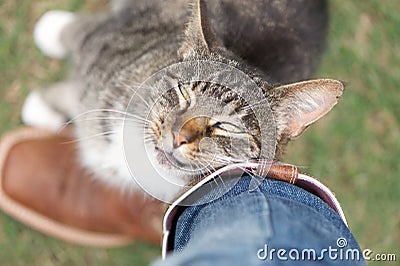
[50,108]
[47,32]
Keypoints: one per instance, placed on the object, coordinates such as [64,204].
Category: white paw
[47,32]
[36,112]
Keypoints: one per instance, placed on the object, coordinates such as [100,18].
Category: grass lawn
[355,149]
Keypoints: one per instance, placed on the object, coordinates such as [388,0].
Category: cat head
[198,126]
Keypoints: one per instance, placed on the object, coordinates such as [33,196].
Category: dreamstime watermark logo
[152,101]
[340,252]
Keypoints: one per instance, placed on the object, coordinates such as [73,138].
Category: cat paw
[36,112]
[47,32]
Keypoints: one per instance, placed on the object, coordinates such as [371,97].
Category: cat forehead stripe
[185,95]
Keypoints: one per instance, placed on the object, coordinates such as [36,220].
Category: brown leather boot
[43,186]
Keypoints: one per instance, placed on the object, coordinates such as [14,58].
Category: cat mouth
[169,160]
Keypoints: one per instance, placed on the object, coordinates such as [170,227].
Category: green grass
[355,149]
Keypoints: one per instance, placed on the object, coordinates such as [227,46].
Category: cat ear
[305,102]
[199,34]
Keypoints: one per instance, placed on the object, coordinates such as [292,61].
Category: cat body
[114,53]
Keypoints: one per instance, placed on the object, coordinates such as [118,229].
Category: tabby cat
[187,127]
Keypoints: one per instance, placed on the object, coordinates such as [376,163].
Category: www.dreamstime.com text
[339,252]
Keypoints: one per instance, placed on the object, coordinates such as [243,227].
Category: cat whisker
[212,157]
[250,173]
[91,137]
[250,106]
[76,118]
[207,165]
[151,99]
[152,109]
[223,159]
[143,121]
[102,111]
[197,174]
[148,139]
[137,94]
[133,86]
[198,70]
[229,159]
[208,171]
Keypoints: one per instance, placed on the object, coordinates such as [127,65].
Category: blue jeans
[274,224]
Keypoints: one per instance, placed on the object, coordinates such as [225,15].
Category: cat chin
[108,163]
[173,178]
[115,173]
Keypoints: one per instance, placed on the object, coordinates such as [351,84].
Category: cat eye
[184,93]
[228,127]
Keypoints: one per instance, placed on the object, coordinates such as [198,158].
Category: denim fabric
[249,227]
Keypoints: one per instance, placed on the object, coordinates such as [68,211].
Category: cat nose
[179,139]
